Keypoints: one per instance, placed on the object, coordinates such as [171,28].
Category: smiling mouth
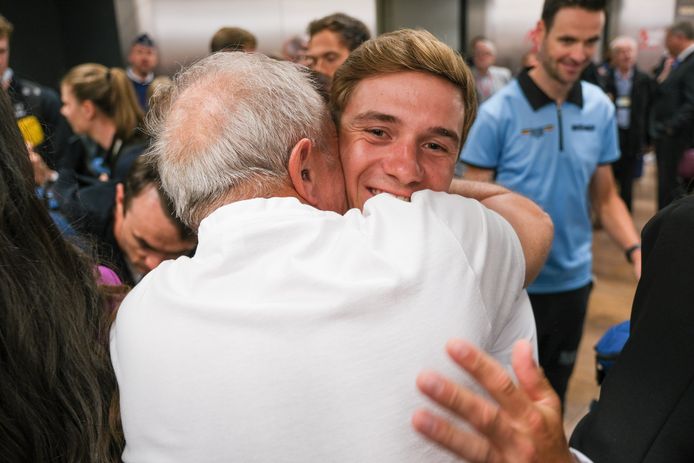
[375,192]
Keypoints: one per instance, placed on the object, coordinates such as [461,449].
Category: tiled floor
[610,301]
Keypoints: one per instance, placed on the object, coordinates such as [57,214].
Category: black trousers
[626,168]
[559,319]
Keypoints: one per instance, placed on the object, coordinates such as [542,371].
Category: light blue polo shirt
[549,154]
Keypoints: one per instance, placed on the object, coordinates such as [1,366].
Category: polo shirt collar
[537,98]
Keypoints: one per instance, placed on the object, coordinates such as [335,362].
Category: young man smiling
[552,138]
[404,103]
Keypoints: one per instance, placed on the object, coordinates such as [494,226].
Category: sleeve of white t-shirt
[491,246]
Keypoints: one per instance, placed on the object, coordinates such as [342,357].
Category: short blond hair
[400,51]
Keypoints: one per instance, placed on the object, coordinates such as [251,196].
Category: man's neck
[139,73]
[554,89]
[624,72]
[684,48]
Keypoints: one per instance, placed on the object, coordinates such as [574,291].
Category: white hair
[489,44]
[624,40]
[226,128]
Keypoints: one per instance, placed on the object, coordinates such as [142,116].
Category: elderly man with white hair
[294,334]
[631,90]
[489,79]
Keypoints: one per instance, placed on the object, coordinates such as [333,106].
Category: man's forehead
[435,89]
[575,20]
[326,39]
[143,48]
[439,110]
[151,224]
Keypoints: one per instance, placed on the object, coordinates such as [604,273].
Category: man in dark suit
[672,114]
[646,407]
[131,224]
[630,90]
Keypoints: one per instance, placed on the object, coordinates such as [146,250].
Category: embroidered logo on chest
[584,127]
[537,131]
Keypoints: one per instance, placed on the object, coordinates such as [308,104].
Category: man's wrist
[629,252]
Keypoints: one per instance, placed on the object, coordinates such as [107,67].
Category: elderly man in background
[631,90]
[300,324]
[489,79]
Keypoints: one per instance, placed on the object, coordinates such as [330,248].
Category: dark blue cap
[144,39]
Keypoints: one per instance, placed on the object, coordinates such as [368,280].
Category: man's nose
[320,66]
[152,261]
[403,164]
[580,53]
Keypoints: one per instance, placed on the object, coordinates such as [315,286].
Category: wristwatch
[630,250]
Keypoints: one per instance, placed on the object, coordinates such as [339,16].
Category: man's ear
[120,200]
[303,172]
[539,33]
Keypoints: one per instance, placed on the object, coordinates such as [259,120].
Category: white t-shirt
[296,335]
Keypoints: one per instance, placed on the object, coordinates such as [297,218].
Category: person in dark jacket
[631,91]
[672,114]
[646,407]
[100,104]
[131,223]
[36,107]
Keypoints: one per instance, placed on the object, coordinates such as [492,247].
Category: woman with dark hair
[56,382]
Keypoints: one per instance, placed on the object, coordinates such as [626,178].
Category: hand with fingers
[42,173]
[524,425]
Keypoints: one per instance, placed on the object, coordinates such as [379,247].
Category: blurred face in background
[4,54]
[483,55]
[76,112]
[675,43]
[144,232]
[326,52]
[623,56]
[143,59]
